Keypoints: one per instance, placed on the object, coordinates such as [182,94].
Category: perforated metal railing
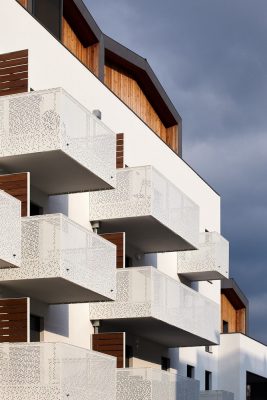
[10,231]
[153,384]
[55,246]
[55,371]
[147,292]
[143,191]
[212,255]
[50,120]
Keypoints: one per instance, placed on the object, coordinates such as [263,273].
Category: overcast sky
[211,57]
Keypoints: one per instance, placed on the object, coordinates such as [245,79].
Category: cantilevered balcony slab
[154,384]
[10,231]
[153,305]
[210,261]
[55,371]
[64,147]
[62,262]
[155,214]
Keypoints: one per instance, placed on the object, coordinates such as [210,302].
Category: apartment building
[111,257]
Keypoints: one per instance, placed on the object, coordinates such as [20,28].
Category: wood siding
[118,239]
[14,320]
[14,72]
[112,344]
[89,56]
[120,151]
[129,91]
[24,3]
[17,185]
[236,318]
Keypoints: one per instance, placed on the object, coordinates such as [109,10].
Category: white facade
[171,216]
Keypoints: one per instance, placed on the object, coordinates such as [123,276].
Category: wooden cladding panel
[120,151]
[236,318]
[14,72]
[118,239]
[17,185]
[111,344]
[24,3]
[89,56]
[129,91]
[14,320]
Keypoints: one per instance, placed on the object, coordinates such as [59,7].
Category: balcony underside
[155,330]
[203,275]
[54,172]
[146,234]
[53,290]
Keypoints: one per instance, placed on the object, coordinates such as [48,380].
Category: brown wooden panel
[14,320]
[120,151]
[89,56]
[24,3]
[118,239]
[14,72]
[236,318]
[124,85]
[17,185]
[111,344]
[241,321]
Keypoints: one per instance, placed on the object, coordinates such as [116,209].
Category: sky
[211,58]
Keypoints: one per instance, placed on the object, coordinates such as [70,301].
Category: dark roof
[89,33]
[234,294]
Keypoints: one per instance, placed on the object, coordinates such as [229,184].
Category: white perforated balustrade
[152,384]
[57,251]
[216,395]
[210,261]
[10,231]
[51,120]
[55,371]
[144,192]
[145,292]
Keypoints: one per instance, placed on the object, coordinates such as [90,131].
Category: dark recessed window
[165,363]
[190,371]
[35,209]
[36,327]
[225,327]
[208,380]
[49,13]
[129,356]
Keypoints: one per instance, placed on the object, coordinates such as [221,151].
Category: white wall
[237,355]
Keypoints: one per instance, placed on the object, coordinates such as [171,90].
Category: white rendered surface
[216,395]
[53,371]
[47,60]
[237,355]
[10,231]
[62,262]
[153,384]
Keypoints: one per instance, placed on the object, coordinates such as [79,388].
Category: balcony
[62,262]
[54,371]
[153,305]
[153,384]
[209,262]
[10,231]
[216,395]
[60,142]
[155,214]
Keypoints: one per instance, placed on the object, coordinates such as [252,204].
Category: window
[165,363]
[36,327]
[49,13]
[208,380]
[190,371]
[129,356]
[225,327]
[35,209]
